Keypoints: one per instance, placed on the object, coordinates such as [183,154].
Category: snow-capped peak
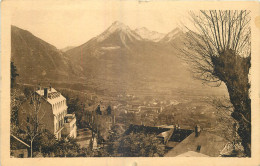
[149,35]
[118,26]
[122,29]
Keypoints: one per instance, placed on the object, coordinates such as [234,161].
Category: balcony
[69,118]
[69,125]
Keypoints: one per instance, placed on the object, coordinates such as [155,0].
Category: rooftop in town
[205,143]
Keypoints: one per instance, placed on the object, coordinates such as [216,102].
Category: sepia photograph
[130,79]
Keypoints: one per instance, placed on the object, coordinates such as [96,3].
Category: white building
[52,113]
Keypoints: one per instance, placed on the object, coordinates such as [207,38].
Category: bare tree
[33,121]
[219,49]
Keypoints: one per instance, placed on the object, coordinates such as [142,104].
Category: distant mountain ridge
[119,59]
[125,35]
[119,36]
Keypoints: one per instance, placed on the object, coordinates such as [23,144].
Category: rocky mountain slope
[122,57]
[173,35]
[37,60]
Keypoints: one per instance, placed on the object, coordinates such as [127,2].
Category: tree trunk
[242,115]
[31,150]
[233,70]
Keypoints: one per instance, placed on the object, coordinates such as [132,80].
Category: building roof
[53,95]
[166,135]
[206,143]
[192,154]
[171,144]
[20,141]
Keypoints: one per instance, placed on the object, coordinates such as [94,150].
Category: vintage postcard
[130,83]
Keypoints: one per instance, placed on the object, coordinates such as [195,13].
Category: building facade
[51,112]
[18,148]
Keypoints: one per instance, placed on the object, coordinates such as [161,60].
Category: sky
[72,24]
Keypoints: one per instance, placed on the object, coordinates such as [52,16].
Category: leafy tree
[140,144]
[115,133]
[14,74]
[137,145]
[17,98]
[73,104]
[67,147]
[219,48]
[46,143]
[76,106]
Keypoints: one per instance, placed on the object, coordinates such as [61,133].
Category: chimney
[50,87]
[46,93]
[197,130]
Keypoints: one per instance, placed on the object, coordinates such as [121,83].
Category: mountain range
[118,59]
